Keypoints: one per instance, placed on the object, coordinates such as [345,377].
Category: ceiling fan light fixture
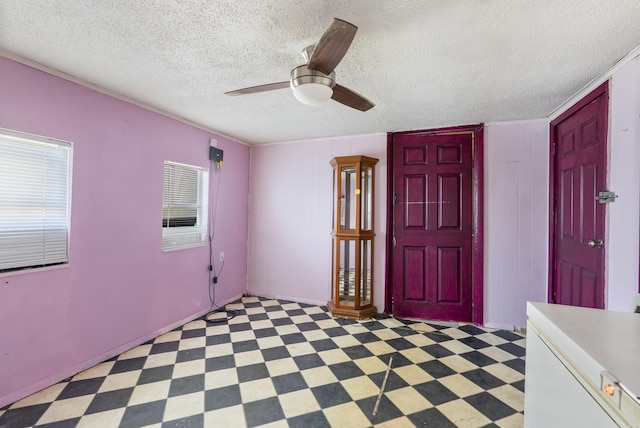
[311,86]
[312,93]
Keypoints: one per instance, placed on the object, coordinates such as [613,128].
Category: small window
[184,206]
[35,177]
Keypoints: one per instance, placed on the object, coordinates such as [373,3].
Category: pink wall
[623,216]
[290,217]
[119,288]
[516,201]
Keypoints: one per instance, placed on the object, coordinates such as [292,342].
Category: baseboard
[299,300]
[72,371]
[502,326]
[268,294]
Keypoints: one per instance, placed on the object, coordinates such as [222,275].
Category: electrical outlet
[221,256]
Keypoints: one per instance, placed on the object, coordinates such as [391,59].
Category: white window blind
[34,201]
[184,205]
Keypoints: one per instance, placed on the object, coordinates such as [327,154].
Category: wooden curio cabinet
[352,233]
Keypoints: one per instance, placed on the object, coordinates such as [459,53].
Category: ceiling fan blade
[332,46]
[351,98]
[259,88]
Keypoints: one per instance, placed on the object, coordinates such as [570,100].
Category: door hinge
[395,198]
[394,241]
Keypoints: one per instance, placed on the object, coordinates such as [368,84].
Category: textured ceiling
[423,63]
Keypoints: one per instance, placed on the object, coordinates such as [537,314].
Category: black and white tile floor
[284,364]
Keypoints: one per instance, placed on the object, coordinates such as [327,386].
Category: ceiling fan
[314,82]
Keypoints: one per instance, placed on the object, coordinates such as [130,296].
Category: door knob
[595,244]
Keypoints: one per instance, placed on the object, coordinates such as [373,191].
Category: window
[35,177]
[184,206]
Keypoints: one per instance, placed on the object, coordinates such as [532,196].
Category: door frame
[477,156]
[603,89]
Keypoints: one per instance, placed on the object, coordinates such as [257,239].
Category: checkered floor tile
[280,364]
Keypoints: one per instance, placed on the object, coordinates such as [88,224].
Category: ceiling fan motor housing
[311,86]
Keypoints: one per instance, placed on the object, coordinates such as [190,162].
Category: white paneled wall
[516,200]
[621,245]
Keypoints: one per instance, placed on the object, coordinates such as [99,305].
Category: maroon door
[432,226]
[579,175]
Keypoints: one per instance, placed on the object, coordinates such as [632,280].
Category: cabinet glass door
[348,186]
[367,197]
[366,265]
[347,273]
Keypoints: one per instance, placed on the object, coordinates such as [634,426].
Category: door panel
[579,168]
[449,198]
[589,208]
[432,228]
[415,273]
[448,269]
[566,204]
[415,213]
[565,287]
